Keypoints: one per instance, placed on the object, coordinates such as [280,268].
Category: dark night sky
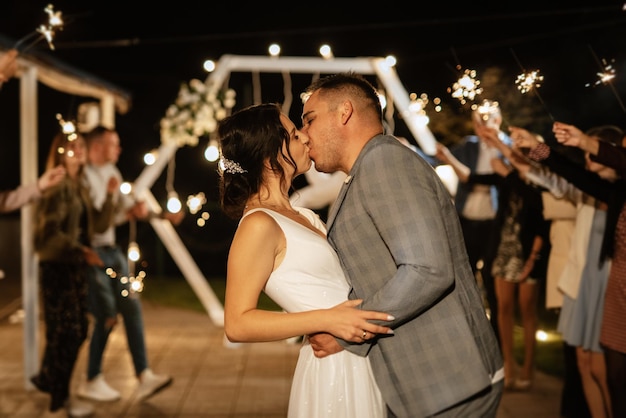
[149,52]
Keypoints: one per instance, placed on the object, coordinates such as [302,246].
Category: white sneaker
[78,409]
[150,384]
[97,389]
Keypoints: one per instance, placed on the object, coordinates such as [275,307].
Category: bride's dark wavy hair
[250,137]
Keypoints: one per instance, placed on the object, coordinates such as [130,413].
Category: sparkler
[67,126]
[606,76]
[530,81]
[136,282]
[69,130]
[134,254]
[489,113]
[466,87]
[55,22]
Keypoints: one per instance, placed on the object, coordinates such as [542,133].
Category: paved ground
[211,379]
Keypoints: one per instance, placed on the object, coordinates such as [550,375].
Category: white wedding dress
[341,385]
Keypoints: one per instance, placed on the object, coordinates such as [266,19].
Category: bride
[283,251]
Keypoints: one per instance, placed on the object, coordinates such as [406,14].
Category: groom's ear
[346,110]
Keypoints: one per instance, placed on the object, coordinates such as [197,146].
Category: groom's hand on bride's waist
[324,344]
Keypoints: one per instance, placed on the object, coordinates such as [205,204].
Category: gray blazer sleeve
[399,240]
[403,199]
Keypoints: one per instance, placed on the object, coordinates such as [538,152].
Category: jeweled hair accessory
[230,166]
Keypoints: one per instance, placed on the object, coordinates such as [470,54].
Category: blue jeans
[106,300]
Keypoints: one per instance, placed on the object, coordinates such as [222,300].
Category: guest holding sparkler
[612,334]
[519,267]
[64,222]
[584,280]
[477,204]
[521,250]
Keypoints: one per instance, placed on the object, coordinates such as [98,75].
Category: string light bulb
[150,158]
[212,151]
[274,50]
[133,251]
[209,65]
[126,188]
[391,60]
[173,202]
[195,202]
[326,52]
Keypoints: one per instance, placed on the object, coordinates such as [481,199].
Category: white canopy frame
[30,72]
[281,65]
[313,65]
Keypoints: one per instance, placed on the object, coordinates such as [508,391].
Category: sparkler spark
[466,87]
[606,75]
[47,32]
[67,126]
[528,81]
[135,284]
[54,18]
[489,113]
[531,81]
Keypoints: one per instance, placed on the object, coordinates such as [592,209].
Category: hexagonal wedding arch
[385,73]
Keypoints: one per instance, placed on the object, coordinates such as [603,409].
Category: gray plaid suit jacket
[397,234]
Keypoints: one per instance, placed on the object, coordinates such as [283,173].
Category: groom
[397,234]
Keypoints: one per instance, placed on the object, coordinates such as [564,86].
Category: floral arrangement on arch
[195,113]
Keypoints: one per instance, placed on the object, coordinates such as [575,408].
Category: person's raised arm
[51,178]
[523,138]
[491,137]
[8,65]
[500,167]
[572,136]
[444,155]
[11,200]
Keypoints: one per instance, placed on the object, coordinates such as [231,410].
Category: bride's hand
[349,323]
